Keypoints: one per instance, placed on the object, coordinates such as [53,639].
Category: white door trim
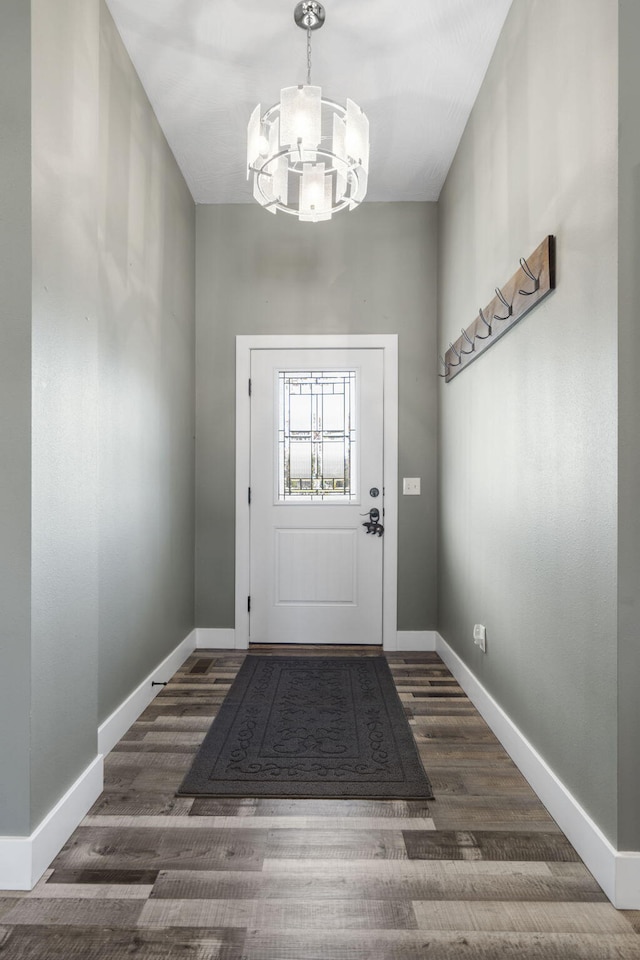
[244,346]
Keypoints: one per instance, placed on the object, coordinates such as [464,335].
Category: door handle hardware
[373,524]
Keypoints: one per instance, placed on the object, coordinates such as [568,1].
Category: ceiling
[415,69]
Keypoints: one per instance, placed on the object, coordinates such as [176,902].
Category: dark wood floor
[482,872]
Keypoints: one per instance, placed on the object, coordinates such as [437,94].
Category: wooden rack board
[530,284]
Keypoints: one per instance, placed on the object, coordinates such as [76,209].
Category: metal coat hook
[458,355]
[469,340]
[535,280]
[445,365]
[503,300]
[486,323]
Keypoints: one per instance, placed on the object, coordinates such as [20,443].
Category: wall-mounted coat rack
[529,285]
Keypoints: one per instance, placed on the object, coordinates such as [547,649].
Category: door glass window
[317,435]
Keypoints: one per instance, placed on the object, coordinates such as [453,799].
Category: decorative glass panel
[357,138]
[317,435]
[315,192]
[253,139]
[300,116]
[281,180]
[340,150]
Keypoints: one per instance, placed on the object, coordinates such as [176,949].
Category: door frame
[388,343]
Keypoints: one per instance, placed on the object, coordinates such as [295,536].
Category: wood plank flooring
[480,873]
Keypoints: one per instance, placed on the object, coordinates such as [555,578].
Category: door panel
[316,452]
[315,566]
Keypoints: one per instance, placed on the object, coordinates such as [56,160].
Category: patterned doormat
[310,727]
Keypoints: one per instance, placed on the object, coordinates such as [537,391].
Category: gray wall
[64,600]
[15,413]
[371,271]
[629,437]
[528,477]
[146,221]
[109,300]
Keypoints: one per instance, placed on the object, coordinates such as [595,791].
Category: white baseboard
[618,873]
[627,880]
[23,860]
[417,640]
[116,725]
[216,638]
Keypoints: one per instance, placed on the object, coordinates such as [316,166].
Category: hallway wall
[370,271]
[629,435]
[15,412]
[528,449]
[98,401]
[146,454]
[64,506]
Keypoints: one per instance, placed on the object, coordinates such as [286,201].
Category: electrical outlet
[480,636]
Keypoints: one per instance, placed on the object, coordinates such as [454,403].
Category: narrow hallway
[483,872]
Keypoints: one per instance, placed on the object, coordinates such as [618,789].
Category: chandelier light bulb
[307,155]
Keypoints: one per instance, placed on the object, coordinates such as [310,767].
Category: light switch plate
[411,486]
[480,636]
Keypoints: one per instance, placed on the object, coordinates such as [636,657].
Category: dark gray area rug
[310,727]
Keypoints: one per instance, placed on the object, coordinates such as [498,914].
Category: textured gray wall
[146,454]
[629,436]
[371,271]
[15,414]
[103,320]
[528,448]
[64,598]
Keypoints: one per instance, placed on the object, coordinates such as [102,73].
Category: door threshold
[317,649]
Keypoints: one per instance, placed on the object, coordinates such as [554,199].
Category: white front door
[316,472]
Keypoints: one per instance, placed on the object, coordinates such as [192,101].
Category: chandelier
[308,156]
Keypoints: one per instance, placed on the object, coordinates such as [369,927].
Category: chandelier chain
[308,55]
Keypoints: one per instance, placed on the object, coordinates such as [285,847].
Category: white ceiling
[415,69]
